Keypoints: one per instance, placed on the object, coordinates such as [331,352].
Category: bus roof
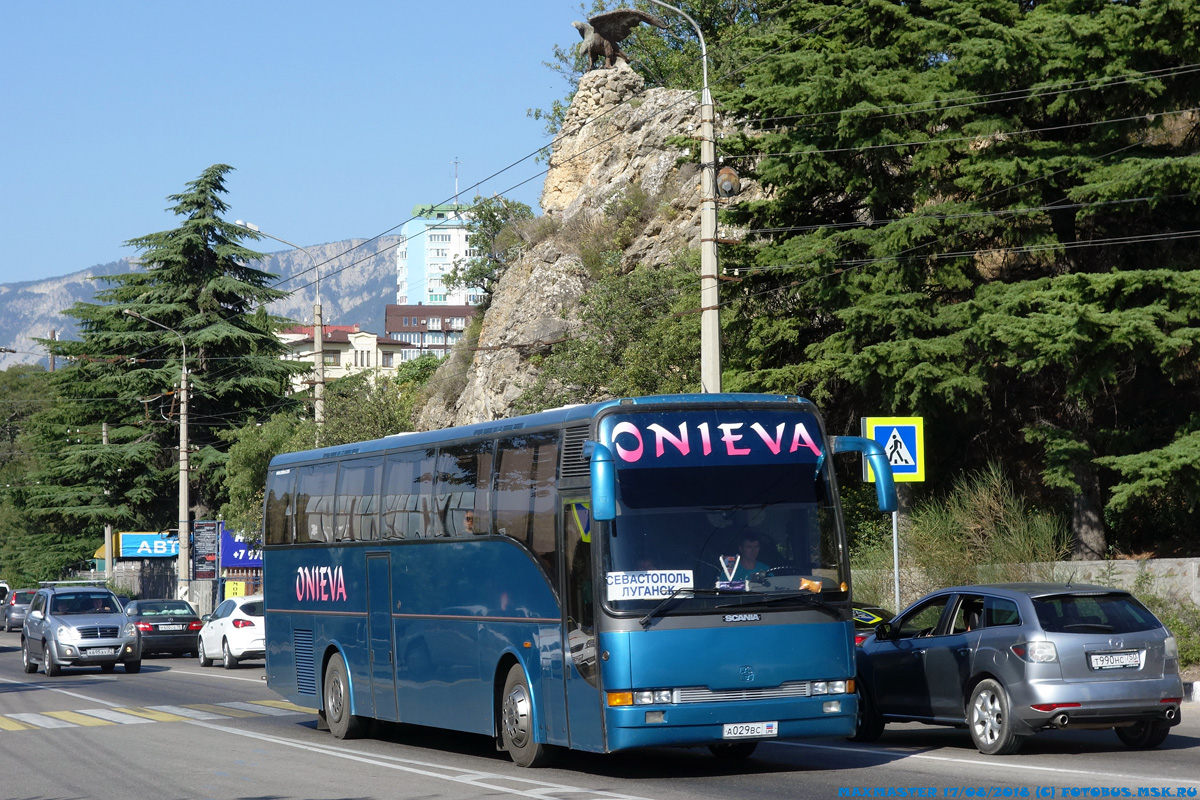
[555,417]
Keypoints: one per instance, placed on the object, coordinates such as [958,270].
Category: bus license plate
[749,730]
[1129,660]
[100,651]
[170,627]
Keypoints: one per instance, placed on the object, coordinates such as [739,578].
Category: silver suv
[78,626]
[1008,660]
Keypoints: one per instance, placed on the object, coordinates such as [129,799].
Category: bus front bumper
[706,723]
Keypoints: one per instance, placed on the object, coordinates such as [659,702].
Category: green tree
[981,213]
[496,231]
[357,408]
[123,371]
[639,335]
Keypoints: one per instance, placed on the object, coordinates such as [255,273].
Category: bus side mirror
[604,480]
[872,451]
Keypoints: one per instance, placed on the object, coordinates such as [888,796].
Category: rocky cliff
[613,139]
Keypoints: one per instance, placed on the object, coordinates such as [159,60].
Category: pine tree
[982,213]
[123,373]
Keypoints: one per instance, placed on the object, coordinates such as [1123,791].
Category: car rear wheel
[228,660]
[51,668]
[342,723]
[1144,735]
[516,722]
[869,724]
[205,661]
[26,662]
[990,721]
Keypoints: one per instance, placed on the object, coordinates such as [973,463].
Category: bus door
[584,718]
[379,634]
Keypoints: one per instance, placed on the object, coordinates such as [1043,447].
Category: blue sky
[337,117]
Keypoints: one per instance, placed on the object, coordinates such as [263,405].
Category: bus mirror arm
[604,480]
[872,451]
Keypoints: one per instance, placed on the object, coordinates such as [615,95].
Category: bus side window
[526,468]
[358,484]
[402,485]
[314,502]
[278,508]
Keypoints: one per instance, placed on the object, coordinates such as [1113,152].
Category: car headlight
[130,630]
[66,633]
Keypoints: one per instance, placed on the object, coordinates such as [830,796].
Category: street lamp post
[318,328]
[710,319]
[185,551]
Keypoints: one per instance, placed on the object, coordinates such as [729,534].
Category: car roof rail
[72,583]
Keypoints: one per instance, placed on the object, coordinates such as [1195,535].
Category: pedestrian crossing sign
[903,442]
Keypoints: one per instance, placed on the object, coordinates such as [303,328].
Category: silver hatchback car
[1009,660]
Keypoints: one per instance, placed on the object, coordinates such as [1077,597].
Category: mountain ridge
[358,280]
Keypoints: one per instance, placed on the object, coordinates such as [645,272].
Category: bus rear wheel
[342,723]
[516,722]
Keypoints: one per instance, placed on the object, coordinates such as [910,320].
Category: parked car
[165,626]
[1009,660]
[235,630]
[78,626]
[866,618]
[15,608]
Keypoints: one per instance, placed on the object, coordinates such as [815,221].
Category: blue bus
[668,570]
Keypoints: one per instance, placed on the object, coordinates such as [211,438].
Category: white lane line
[483,780]
[113,716]
[213,673]
[978,762]
[190,713]
[44,687]
[41,721]
[257,709]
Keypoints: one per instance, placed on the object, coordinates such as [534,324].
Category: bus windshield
[748,531]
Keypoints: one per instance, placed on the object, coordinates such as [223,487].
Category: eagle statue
[603,33]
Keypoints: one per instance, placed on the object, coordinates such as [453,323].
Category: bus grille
[306,673]
[574,465]
[98,633]
[699,694]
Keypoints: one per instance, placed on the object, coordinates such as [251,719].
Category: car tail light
[859,638]
[143,626]
[195,625]
[243,623]
[1036,652]
[1055,706]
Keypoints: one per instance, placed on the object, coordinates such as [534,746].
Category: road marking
[78,719]
[43,686]
[257,709]
[156,716]
[184,711]
[41,721]
[129,716]
[525,787]
[979,762]
[114,716]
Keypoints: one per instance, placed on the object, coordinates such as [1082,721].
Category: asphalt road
[177,730]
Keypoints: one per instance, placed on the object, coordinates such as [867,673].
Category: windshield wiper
[814,600]
[654,612]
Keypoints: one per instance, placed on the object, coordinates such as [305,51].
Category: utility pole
[108,531]
[710,315]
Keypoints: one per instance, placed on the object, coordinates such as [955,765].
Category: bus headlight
[641,697]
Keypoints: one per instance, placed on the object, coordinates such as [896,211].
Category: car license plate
[170,627]
[1127,660]
[749,730]
[101,651]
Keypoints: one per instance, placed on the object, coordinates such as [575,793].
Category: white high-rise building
[432,241]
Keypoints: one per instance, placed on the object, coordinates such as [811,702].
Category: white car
[235,632]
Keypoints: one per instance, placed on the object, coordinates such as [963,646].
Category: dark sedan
[1008,660]
[165,626]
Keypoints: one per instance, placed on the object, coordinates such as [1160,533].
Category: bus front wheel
[516,722]
[342,723]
